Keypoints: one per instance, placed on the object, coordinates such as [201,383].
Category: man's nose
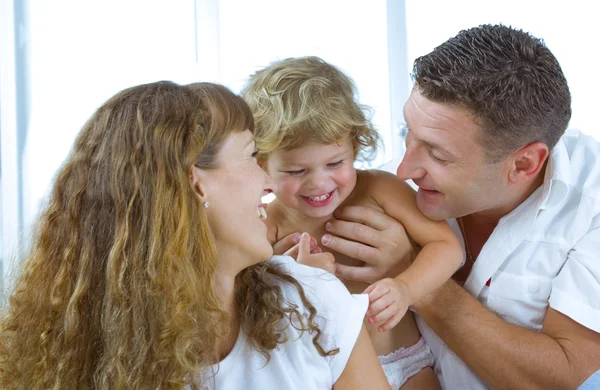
[410,167]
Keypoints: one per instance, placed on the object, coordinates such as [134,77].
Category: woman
[148,266]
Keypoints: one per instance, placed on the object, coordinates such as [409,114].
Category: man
[486,149]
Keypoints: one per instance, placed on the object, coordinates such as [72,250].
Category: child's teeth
[319,198]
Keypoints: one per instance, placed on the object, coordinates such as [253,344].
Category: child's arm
[440,256]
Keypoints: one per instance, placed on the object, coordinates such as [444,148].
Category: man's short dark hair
[508,79]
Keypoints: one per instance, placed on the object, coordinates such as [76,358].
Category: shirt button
[534,287]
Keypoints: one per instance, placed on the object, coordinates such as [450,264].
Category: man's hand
[303,255]
[370,236]
[389,300]
[291,240]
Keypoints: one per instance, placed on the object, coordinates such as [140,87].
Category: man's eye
[296,173]
[433,156]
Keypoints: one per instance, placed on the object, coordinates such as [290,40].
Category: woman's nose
[270,185]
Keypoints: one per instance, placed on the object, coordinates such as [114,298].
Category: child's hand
[288,242]
[315,257]
[389,300]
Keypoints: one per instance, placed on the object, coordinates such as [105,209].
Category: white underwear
[406,362]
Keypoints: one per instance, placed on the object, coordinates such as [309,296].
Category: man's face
[445,159]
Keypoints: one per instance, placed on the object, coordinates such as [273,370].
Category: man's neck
[491,217]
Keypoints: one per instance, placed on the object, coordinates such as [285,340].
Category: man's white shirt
[544,253]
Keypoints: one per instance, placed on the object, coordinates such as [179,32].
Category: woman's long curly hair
[118,289]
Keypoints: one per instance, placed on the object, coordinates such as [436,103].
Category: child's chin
[319,212]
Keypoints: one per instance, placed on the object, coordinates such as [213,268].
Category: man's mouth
[426,190]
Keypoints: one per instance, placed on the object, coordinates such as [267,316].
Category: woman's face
[234,190]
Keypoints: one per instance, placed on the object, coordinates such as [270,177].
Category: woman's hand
[313,258]
[371,236]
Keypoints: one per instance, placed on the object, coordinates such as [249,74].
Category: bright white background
[61,59]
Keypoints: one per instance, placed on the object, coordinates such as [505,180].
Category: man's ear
[200,181]
[528,162]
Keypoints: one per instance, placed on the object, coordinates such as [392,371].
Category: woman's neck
[225,289]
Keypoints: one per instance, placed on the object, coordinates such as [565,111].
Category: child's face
[314,179]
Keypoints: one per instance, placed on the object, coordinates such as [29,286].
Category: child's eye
[335,164]
[296,173]
[255,153]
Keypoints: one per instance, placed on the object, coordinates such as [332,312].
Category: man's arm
[507,356]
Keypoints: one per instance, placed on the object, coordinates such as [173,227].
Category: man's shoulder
[577,161]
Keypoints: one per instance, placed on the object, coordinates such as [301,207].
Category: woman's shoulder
[311,277]
[339,314]
[323,289]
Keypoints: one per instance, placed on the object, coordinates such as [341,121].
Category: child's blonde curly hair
[298,100]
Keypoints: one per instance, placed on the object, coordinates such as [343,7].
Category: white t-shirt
[544,253]
[297,364]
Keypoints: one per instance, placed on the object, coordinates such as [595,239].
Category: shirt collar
[556,188]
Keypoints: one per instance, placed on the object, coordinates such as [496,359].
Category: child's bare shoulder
[375,175]
[369,185]
[380,185]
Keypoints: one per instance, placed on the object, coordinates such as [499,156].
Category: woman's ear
[199,180]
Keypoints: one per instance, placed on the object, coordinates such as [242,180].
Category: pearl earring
[205,204]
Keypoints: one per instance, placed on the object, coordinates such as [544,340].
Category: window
[63,59]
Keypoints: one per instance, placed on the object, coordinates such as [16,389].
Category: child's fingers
[380,304]
[293,251]
[376,291]
[304,246]
[316,250]
[390,323]
[313,243]
[286,244]
[301,250]
[383,315]
[327,262]
[369,289]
